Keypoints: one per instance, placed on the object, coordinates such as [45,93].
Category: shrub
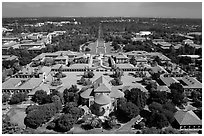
[126,111]
[34,119]
[37,115]
[116,82]
[88,74]
[65,123]
[87,49]
[71,108]
[40,97]
[5,97]
[31,108]
[17,98]
[51,125]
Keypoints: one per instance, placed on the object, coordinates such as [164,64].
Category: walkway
[127,127]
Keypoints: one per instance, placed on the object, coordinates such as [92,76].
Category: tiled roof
[125,65]
[187,118]
[9,44]
[165,44]
[191,56]
[163,57]
[61,57]
[50,54]
[168,80]
[9,57]
[156,69]
[67,53]
[177,46]
[86,94]
[21,83]
[102,88]
[163,88]
[42,87]
[102,99]
[82,66]
[116,94]
[57,66]
[136,53]
[124,88]
[141,59]
[120,55]
[102,85]
[191,82]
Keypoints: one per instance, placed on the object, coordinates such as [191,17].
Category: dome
[102,99]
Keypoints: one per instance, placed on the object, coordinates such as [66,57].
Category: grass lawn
[17,115]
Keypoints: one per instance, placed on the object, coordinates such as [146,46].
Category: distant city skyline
[103,9]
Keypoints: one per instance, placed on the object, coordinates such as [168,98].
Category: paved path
[127,127]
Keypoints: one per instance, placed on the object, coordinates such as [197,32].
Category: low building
[187,41]
[190,84]
[136,54]
[9,58]
[141,39]
[120,58]
[8,45]
[25,85]
[32,44]
[196,46]
[168,81]
[157,40]
[164,45]
[34,36]
[101,96]
[177,46]
[145,33]
[8,39]
[194,33]
[61,60]
[187,120]
[194,57]
[28,72]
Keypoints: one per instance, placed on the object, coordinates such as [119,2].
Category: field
[17,116]
[102,47]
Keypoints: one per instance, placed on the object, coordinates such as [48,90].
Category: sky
[98,9]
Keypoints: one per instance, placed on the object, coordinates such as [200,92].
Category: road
[100,47]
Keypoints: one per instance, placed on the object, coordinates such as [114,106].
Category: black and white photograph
[101,67]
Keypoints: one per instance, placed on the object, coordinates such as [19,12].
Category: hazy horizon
[103,9]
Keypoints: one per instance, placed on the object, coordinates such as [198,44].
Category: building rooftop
[61,57]
[120,55]
[187,118]
[163,88]
[191,82]
[79,66]
[187,40]
[124,88]
[168,80]
[102,99]
[136,53]
[164,58]
[87,93]
[191,56]
[67,53]
[9,57]
[102,85]
[127,65]
[177,46]
[21,83]
[9,44]
[164,44]
[116,94]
